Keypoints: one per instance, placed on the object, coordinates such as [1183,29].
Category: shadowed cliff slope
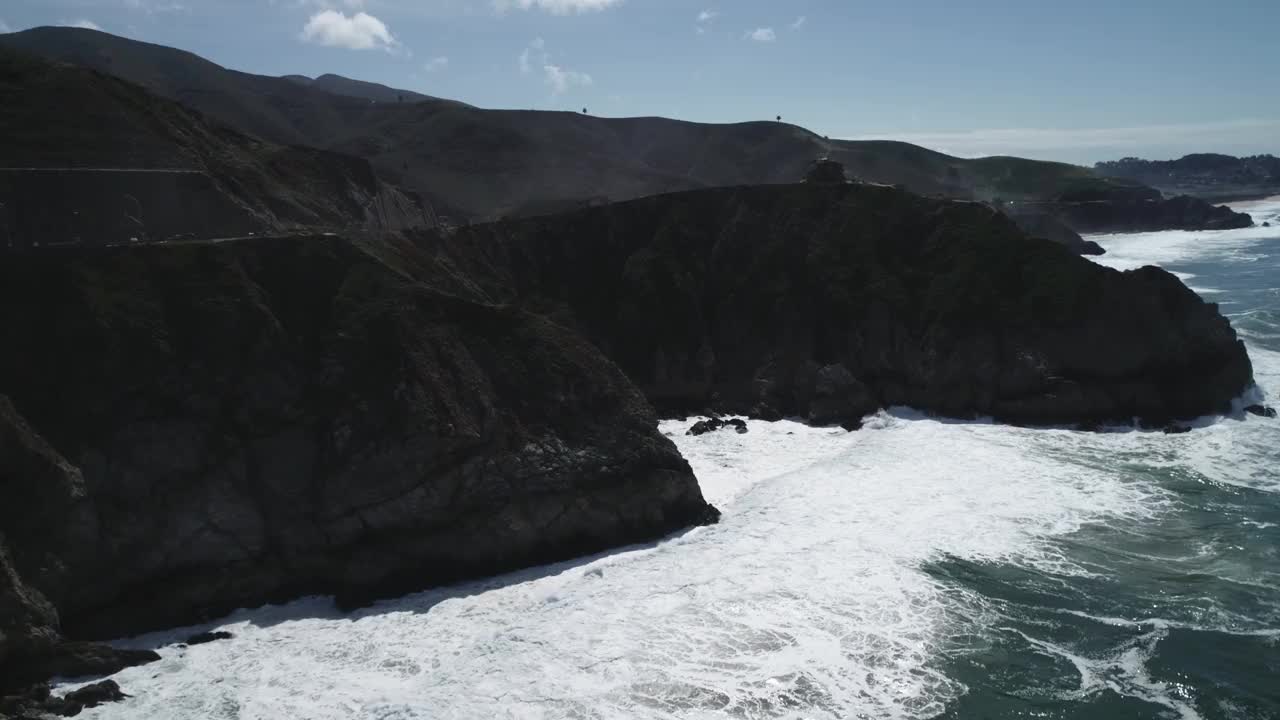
[62,120]
[242,422]
[829,302]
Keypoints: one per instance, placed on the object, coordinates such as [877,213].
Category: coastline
[1240,197]
[1245,203]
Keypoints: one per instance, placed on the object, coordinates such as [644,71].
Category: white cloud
[527,60]
[82,23]
[707,16]
[361,31]
[556,76]
[436,64]
[555,7]
[763,35]
[799,23]
[4,28]
[155,6]
[562,80]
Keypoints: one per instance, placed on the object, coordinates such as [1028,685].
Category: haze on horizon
[1096,81]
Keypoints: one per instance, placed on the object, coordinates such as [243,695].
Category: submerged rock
[91,696]
[702,427]
[208,637]
[1261,411]
[1177,430]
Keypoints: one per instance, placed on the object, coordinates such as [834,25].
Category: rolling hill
[130,164]
[473,164]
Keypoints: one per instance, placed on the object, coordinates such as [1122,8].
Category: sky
[1078,82]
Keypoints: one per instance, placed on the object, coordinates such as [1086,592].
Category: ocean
[918,568]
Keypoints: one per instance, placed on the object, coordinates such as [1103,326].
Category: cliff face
[221,425]
[829,302]
[189,428]
[1178,213]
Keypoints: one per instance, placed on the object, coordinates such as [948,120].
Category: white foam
[1128,251]
[808,600]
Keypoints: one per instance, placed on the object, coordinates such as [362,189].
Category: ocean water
[915,569]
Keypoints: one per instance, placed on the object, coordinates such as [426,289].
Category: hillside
[146,166]
[1204,175]
[374,92]
[475,164]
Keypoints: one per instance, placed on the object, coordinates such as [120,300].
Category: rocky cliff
[192,428]
[187,428]
[830,302]
[1177,213]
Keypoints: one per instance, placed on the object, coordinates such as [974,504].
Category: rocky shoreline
[197,427]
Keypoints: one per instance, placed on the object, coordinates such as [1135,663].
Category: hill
[144,166]
[475,164]
[339,85]
[1204,175]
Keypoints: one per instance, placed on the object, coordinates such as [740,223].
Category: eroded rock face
[230,424]
[830,302]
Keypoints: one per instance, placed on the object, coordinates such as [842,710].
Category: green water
[1172,615]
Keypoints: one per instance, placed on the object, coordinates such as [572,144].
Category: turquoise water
[916,569]
[1171,616]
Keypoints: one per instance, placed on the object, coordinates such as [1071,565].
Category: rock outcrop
[830,302]
[205,426]
[1178,213]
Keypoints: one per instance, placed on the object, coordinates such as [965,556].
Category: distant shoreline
[1253,200]
[1242,196]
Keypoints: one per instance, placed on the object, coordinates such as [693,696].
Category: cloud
[799,23]
[562,80]
[555,7]
[82,23]
[556,76]
[155,6]
[361,31]
[707,16]
[763,35]
[4,28]
[436,64]
[1239,136]
[527,60]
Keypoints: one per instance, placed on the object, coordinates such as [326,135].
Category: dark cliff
[829,302]
[188,428]
[200,427]
[1177,213]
